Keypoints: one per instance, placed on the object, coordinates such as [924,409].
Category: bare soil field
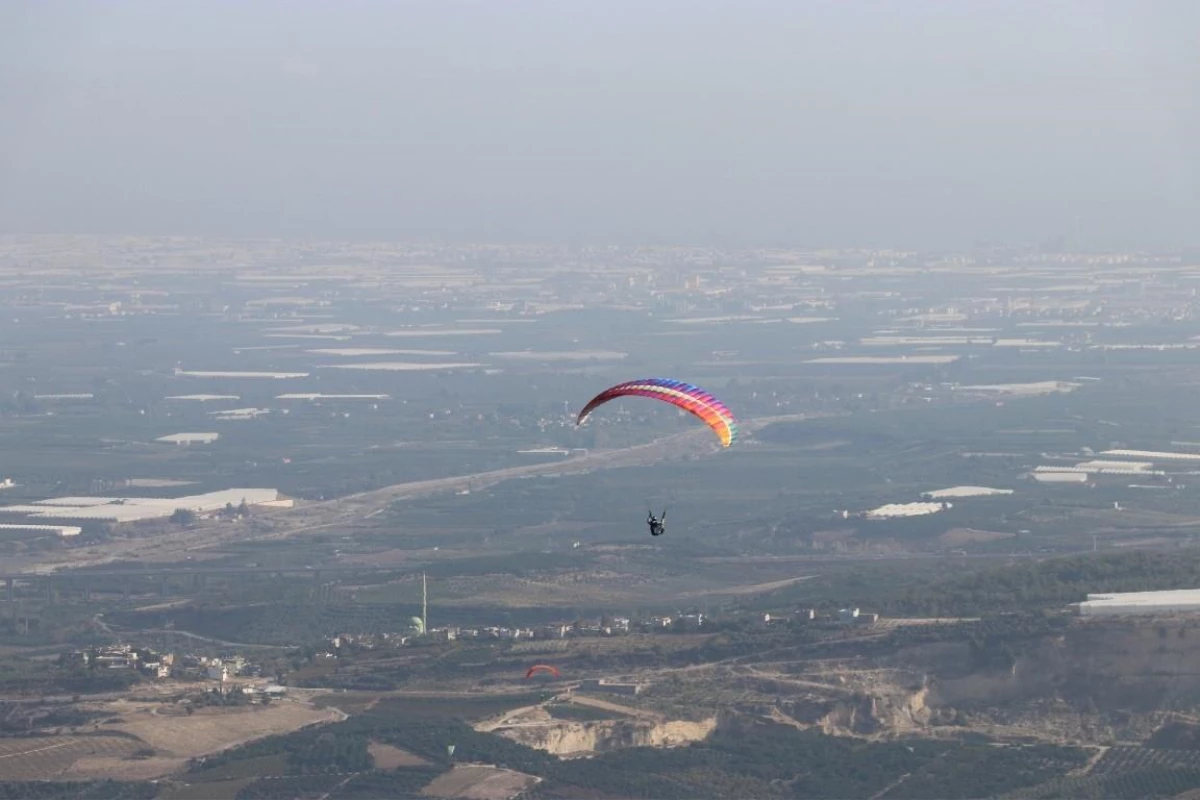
[174,738]
[971,536]
[45,757]
[388,757]
[748,589]
[109,767]
[479,783]
[213,730]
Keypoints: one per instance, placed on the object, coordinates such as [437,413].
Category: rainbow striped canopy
[690,398]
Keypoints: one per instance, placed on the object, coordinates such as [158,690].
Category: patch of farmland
[109,767]
[628,644]
[1178,783]
[552,646]
[748,589]
[215,790]
[246,769]
[45,757]
[211,730]
[1120,760]
[971,536]
[388,757]
[479,783]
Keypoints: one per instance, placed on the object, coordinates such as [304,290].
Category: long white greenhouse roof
[1164,598]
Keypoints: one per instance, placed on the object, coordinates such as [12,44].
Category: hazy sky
[792,122]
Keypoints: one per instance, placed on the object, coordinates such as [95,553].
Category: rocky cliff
[536,728]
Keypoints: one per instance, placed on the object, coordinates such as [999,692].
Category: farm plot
[542,646]
[1121,760]
[45,757]
[211,730]
[388,757]
[480,783]
[635,642]
[130,768]
[169,740]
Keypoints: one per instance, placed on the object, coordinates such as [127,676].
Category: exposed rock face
[564,738]
[891,709]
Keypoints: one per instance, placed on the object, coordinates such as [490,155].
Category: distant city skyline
[915,124]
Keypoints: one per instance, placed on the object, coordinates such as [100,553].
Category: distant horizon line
[413,242]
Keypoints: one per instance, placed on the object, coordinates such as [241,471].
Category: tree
[96,531]
[183,516]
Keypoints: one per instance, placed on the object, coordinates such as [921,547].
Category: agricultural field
[388,757]
[69,756]
[211,730]
[1121,760]
[141,741]
[480,783]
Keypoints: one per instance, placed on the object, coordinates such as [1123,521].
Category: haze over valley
[530,401]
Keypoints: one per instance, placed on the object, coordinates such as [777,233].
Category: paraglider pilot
[658,526]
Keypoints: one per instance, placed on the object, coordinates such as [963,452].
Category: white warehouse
[1177,601]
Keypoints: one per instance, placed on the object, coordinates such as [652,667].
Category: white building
[965,491]
[189,438]
[1059,476]
[892,510]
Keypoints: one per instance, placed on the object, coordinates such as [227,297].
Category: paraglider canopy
[682,395]
[542,668]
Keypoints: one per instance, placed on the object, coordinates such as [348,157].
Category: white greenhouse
[1128,603]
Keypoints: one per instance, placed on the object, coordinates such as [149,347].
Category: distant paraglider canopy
[543,668]
[682,395]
